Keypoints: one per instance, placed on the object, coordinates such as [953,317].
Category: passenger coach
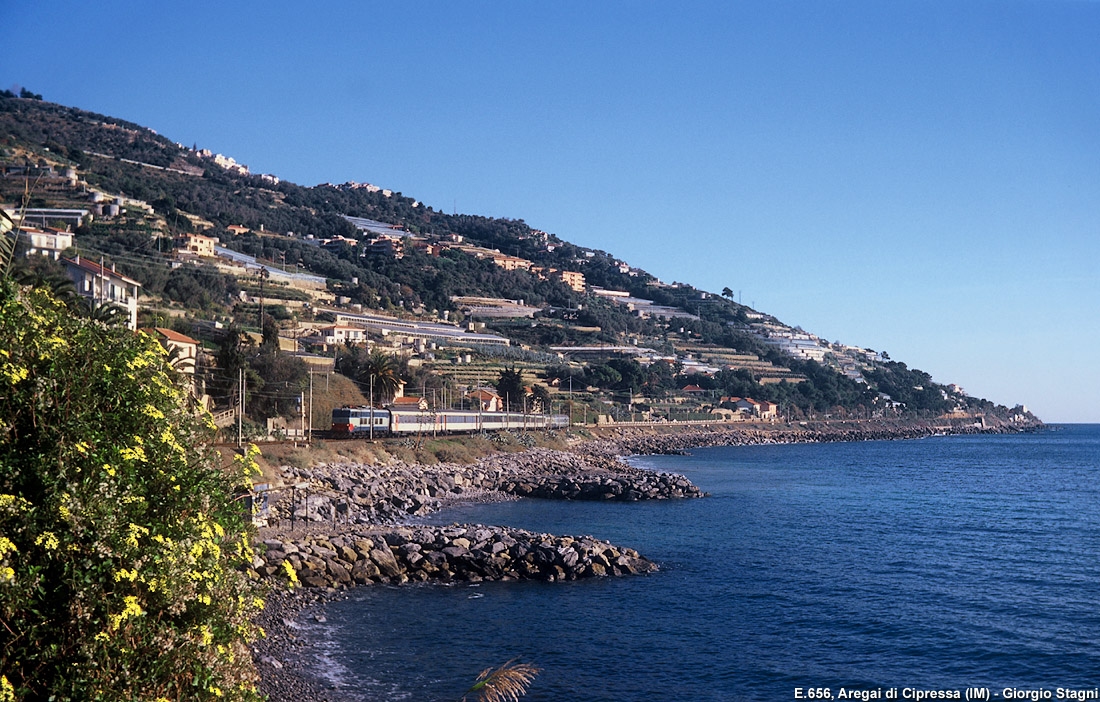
[363,421]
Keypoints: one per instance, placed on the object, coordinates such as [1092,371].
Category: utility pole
[309,435]
[263,277]
[372,407]
[240,405]
[302,406]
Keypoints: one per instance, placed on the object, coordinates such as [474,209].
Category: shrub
[119,535]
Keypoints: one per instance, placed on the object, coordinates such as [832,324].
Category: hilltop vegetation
[277,221]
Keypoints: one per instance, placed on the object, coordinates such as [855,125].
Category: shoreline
[280,658]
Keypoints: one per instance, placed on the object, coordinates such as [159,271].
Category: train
[375,421]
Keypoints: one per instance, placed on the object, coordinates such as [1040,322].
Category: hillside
[581,325]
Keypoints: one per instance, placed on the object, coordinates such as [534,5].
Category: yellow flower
[135,532]
[15,374]
[138,362]
[122,573]
[133,609]
[13,502]
[7,692]
[7,574]
[5,546]
[47,540]
[133,454]
[290,574]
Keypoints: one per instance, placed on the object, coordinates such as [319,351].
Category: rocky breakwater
[630,441]
[357,494]
[457,553]
[557,475]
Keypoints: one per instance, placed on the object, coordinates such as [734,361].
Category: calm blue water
[941,563]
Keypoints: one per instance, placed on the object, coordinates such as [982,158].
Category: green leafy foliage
[119,534]
[912,387]
[509,386]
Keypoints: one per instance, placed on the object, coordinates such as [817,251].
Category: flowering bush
[119,534]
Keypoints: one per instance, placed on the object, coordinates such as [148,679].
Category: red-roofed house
[416,403]
[187,349]
[197,244]
[104,285]
[490,401]
[768,410]
[764,410]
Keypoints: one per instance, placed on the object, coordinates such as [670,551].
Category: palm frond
[58,284]
[505,683]
[108,313]
[8,237]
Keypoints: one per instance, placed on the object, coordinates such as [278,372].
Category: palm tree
[378,371]
[107,313]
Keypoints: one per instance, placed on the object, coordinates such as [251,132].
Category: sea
[866,570]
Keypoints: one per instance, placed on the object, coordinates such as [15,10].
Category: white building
[104,285]
[339,334]
[45,242]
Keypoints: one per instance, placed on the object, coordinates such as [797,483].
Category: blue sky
[921,178]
